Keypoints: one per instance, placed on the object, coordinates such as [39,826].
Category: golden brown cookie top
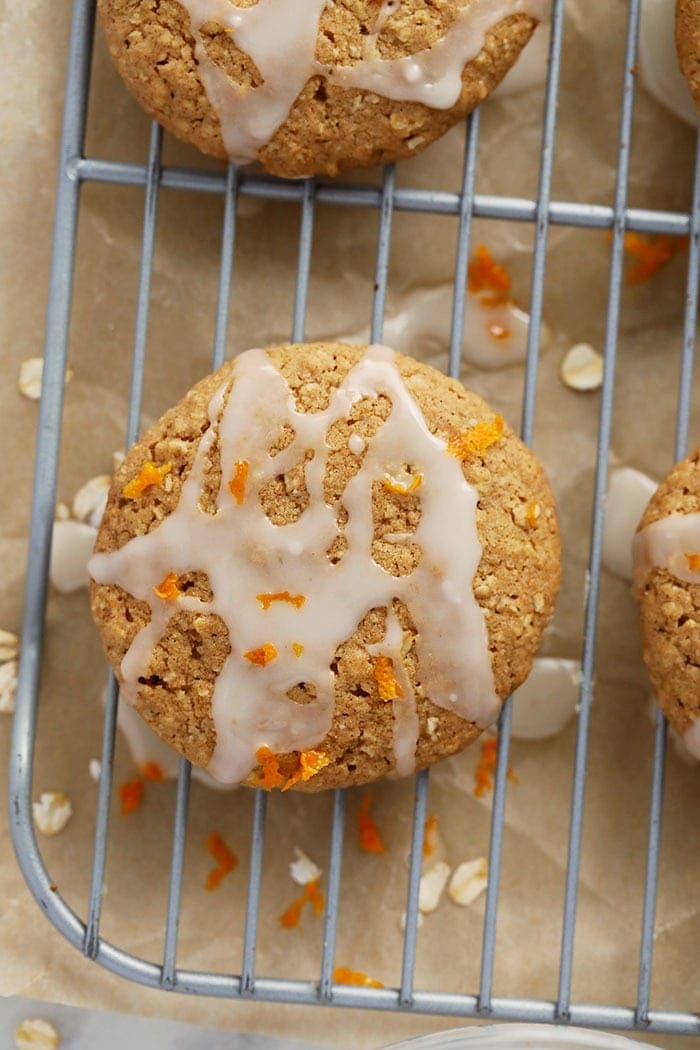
[688,44]
[667,583]
[318,552]
[314,87]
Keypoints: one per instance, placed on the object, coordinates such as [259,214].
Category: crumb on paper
[650,253]
[291,916]
[302,869]
[432,884]
[95,769]
[52,812]
[469,880]
[8,686]
[9,646]
[582,368]
[342,975]
[370,839]
[130,795]
[486,275]
[225,859]
[36,1034]
[152,771]
[90,500]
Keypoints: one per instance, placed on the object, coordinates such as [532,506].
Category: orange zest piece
[168,589]
[263,655]
[151,474]
[342,975]
[389,688]
[486,275]
[532,515]
[403,487]
[297,649]
[237,483]
[477,439]
[650,254]
[266,600]
[487,765]
[498,331]
[152,771]
[310,763]
[130,795]
[430,835]
[226,861]
[370,839]
[290,916]
[693,562]
[270,776]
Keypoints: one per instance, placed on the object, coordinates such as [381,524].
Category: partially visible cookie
[667,585]
[314,87]
[328,563]
[688,44]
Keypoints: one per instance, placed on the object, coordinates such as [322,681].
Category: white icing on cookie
[406,725]
[280,36]
[244,555]
[670,543]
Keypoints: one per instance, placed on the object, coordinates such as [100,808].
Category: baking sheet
[34,959]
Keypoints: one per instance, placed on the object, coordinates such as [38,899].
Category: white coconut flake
[404,919]
[432,725]
[71,548]
[302,868]
[118,458]
[91,499]
[36,1034]
[9,646]
[30,377]
[52,812]
[469,881]
[95,769]
[582,368]
[8,686]
[432,884]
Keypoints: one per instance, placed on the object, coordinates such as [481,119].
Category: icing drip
[406,726]
[244,554]
[671,543]
[666,544]
[280,37]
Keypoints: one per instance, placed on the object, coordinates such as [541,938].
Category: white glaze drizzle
[280,36]
[244,554]
[665,544]
[406,725]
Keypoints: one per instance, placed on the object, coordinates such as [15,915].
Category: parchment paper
[34,959]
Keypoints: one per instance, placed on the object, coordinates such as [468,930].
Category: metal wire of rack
[76,169]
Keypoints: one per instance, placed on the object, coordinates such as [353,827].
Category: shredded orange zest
[693,562]
[226,861]
[310,763]
[477,439]
[263,655]
[130,795]
[400,487]
[238,481]
[270,776]
[290,916]
[430,835]
[498,331]
[168,589]
[266,600]
[651,254]
[486,275]
[389,688]
[341,975]
[297,649]
[487,766]
[532,515]
[152,771]
[370,839]
[151,474]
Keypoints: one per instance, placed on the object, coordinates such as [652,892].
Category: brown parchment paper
[34,959]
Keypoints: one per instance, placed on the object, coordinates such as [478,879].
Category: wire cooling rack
[76,169]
